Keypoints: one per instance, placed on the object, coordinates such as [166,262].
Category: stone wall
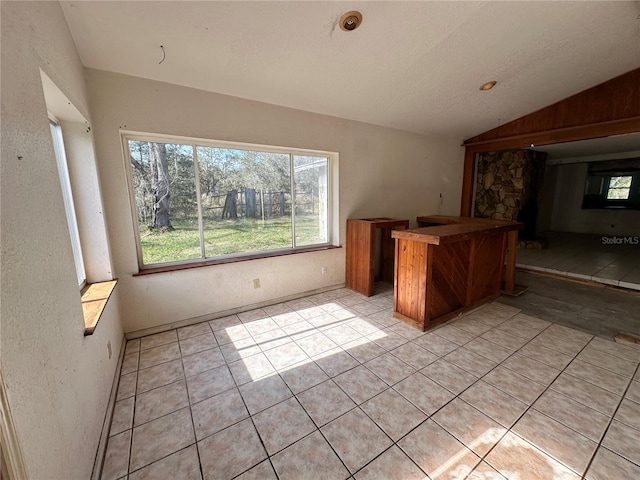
[509,186]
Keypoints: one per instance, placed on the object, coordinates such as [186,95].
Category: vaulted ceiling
[415,66]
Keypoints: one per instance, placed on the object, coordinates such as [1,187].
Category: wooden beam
[468,179]
[611,101]
[611,108]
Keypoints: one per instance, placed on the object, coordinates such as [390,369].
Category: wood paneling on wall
[611,108]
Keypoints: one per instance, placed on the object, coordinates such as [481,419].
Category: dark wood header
[610,108]
[611,101]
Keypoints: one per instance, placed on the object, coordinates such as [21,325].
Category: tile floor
[331,386]
[586,257]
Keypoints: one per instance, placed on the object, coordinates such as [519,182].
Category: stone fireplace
[509,187]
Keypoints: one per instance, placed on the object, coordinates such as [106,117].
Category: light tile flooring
[587,257]
[331,386]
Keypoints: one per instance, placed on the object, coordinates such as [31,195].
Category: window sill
[94,298]
[222,261]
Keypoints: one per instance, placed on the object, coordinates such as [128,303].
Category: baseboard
[205,318]
[106,424]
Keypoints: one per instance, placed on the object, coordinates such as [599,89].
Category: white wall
[568,215]
[545,211]
[58,381]
[78,144]
[383,172]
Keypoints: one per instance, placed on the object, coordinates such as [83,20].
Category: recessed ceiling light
[350,21]
[488,85]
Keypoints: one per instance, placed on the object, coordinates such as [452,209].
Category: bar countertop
[455,232]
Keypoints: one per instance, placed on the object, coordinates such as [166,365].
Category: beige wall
[57,381]
[382,172]
[568,215]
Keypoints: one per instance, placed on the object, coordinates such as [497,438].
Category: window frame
[67,196]
[194,142]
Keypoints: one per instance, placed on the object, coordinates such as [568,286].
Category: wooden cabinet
[444,270]
[361,249]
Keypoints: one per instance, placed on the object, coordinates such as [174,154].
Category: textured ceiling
[614,147]
[414,66]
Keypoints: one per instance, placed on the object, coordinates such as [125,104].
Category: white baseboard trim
[106,424]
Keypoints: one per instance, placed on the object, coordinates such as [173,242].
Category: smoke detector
[350,21]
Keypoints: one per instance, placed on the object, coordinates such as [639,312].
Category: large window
[196,200]
[67,196]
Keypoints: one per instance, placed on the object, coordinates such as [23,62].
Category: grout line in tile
[606,430]
[135,402]
[529,407]
[193,423]
[455,396]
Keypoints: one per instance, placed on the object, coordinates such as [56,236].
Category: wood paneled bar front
[441,271]
[361,249]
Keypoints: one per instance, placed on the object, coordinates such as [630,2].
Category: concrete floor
[597,310]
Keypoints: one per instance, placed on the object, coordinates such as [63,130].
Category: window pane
[164,188]
[618,194]
[619,188]
[246,200]
[620,182]
[311,199]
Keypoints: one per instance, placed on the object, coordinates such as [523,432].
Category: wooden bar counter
[361,248]
[441,271]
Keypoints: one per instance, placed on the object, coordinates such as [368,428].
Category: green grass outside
[225,237]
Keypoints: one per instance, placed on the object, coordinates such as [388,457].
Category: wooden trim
[94,300]
[222,261]
[510,274]
[614,100]
[468,179]
[11,450]
[558,135]
[610,108]
[447,316]
[451,233]
[570,134]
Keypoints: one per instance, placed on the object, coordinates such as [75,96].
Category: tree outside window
[195,201]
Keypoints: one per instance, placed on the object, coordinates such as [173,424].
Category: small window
[613,184]
[619,187]
[196,200]
[67,195]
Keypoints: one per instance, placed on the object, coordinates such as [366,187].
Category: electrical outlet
[256,283]
[324,270]
[109,348]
